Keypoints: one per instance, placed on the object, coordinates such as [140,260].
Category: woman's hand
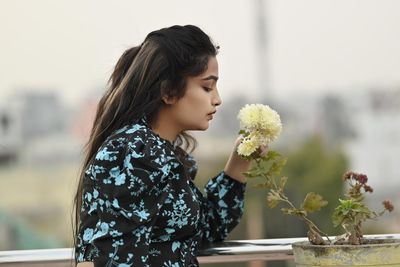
[236,165]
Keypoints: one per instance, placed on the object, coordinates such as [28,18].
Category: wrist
[235,167]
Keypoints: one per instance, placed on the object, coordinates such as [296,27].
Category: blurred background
[330,68]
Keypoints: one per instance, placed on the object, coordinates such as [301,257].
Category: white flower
[261,125]
[248,146]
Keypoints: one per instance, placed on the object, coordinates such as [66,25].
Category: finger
[239,139]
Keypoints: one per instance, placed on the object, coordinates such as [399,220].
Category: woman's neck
[165,127]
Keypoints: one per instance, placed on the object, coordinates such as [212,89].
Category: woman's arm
[224,200]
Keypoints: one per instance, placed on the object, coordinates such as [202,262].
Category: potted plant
[260,125]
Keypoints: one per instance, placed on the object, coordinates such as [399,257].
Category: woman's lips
[210,115]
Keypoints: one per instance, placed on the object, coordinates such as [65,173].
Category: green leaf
[255,172]
[273,199]
[264,185]
[251,174]
[313,202]
[336,220]
[350,212]
[242,132]
[271,155]
[277,166]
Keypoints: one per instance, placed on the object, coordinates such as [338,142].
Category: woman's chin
[202,127]
[205,128]
[198,127]
[206,125]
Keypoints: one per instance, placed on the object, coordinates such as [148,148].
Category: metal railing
[227,251]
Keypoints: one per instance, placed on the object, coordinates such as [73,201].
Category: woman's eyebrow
[211,77]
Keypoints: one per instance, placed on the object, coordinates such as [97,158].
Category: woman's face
[195,109]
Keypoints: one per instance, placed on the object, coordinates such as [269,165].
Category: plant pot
[377,252]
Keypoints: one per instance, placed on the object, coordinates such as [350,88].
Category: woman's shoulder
[128,131]
[133,148]
[138,142]
[136,148]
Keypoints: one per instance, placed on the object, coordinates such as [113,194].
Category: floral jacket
[141,207]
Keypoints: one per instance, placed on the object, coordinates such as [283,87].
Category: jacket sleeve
[129,192]
[223,207]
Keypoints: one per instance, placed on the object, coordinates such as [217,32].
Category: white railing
[227,251]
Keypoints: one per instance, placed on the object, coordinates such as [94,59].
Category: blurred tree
[316,167]
[311,167]
[16,234]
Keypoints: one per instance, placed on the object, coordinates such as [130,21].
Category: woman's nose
[216,101]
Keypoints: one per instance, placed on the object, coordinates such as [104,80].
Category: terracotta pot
[380,252]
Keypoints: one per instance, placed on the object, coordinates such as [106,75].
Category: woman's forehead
[211,73]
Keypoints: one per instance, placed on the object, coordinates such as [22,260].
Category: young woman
[136,203]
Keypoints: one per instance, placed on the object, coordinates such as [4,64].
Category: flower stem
[273,186]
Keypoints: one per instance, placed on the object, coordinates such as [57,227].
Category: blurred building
[365,124]
[34,127]
[9,139]
[376,117]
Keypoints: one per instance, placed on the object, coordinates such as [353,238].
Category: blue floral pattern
[141,207]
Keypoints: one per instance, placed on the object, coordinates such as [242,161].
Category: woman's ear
[167,99]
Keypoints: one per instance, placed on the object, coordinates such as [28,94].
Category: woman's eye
[208,89]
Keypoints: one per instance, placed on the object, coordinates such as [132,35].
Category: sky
[312,46]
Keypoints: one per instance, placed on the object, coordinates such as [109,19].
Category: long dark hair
[142,76]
